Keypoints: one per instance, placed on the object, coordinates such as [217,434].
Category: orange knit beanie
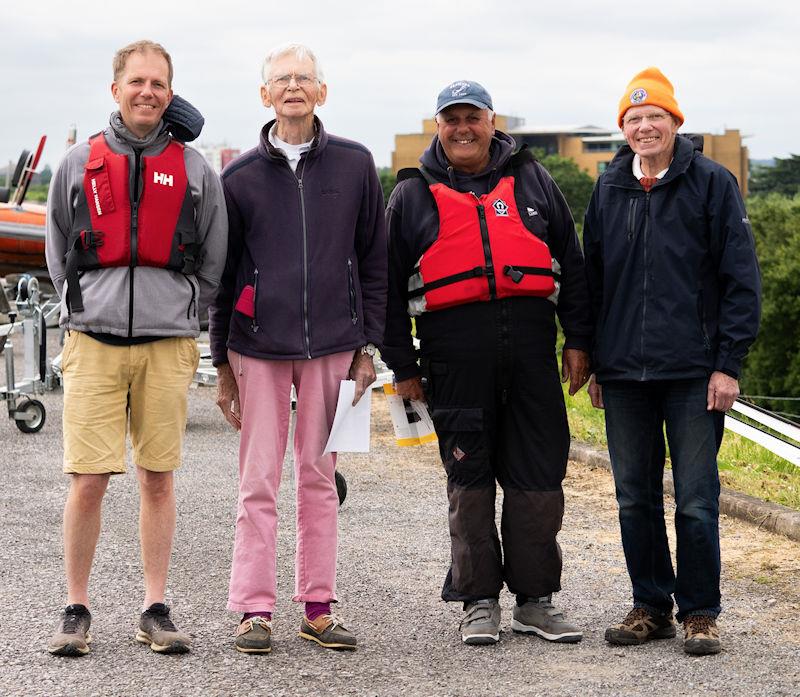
[649,87]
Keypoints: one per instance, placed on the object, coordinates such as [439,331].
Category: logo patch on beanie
[638,95]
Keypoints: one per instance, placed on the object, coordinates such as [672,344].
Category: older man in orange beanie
[675,292]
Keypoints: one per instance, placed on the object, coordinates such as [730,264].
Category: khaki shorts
[106,385]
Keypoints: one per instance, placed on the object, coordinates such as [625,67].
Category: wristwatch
[369,350]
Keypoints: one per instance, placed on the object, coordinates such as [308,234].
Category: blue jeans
[635,416]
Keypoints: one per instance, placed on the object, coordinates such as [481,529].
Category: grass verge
[744,466]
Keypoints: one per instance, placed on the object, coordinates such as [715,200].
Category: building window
[607,146]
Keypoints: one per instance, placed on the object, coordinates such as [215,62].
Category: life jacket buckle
[515,274]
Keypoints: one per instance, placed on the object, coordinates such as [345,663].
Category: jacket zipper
[351,287]
[134,235]
[487,250]
[631,216]
[254,322]
[644,287]
[192,302]
[702,316]
[307,337]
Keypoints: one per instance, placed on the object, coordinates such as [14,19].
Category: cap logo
[638,95]
[459,89]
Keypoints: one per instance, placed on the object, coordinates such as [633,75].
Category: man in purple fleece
[302,302]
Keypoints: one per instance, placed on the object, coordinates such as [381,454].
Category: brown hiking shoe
[700,635]
[254,635]
[327,631]
[157,629]
[640,626]
[72,637]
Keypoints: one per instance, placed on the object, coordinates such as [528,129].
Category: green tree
[575,184]
[773,366]
[783,178]
[46,175]
[388,181]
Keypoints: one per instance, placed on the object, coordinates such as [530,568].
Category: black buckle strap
[447,280]
[191,261]
[89,239]
[517,273]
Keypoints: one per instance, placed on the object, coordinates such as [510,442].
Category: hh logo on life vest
[160,178]
[500,208]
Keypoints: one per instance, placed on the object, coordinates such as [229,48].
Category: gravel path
[393,554]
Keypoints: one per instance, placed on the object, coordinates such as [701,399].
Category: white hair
[299,51]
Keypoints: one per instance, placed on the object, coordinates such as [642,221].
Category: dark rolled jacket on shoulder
[673,273]
[306,269]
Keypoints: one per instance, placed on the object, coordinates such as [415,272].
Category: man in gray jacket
[136,240]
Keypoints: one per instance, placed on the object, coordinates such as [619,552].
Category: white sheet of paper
[350,431]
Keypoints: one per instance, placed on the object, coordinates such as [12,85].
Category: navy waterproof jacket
[673,274]
[311,247]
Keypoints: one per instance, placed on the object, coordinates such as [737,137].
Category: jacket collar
[269,151]
[121,139]
[620,173]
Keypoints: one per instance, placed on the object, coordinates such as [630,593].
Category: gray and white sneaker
[481,623]
[542,618]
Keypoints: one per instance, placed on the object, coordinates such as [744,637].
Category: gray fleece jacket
[143,301]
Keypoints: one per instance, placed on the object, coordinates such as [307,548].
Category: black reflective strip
[446,281]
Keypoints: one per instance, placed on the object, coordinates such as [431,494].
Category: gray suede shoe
[481,623]
[542,618]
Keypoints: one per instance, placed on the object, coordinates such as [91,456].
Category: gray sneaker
[72,637]
[481,624]
[542,618]
[157,629]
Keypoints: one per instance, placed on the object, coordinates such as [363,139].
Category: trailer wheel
[35,416]
[341,486]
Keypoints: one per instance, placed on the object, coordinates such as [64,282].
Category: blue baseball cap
[464,92]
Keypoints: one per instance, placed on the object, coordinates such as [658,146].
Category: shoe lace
[699,624]
[635,616]
[334,621]
[163,621]
[71,621]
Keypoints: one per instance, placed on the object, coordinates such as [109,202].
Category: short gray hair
[299,51]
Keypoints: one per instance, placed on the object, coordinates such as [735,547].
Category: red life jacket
[111,229]
[483,251]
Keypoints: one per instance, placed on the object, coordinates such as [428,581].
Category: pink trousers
[264,395]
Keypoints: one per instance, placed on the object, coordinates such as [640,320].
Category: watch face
[369,349]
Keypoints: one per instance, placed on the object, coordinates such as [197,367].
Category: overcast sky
[734,64]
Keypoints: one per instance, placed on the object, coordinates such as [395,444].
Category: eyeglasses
[301,80]
[639,119]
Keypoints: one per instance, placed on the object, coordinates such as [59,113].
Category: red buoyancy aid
[483,251]
[112,230]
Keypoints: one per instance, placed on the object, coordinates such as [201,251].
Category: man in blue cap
[483,253]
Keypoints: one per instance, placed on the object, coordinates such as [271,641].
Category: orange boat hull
[22,232]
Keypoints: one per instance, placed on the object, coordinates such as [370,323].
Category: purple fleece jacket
[308,247]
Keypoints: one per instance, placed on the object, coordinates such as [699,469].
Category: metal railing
[787,447]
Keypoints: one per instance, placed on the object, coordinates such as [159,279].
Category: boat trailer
[30,317]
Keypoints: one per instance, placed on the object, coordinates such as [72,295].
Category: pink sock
[314,610]
[250,615]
